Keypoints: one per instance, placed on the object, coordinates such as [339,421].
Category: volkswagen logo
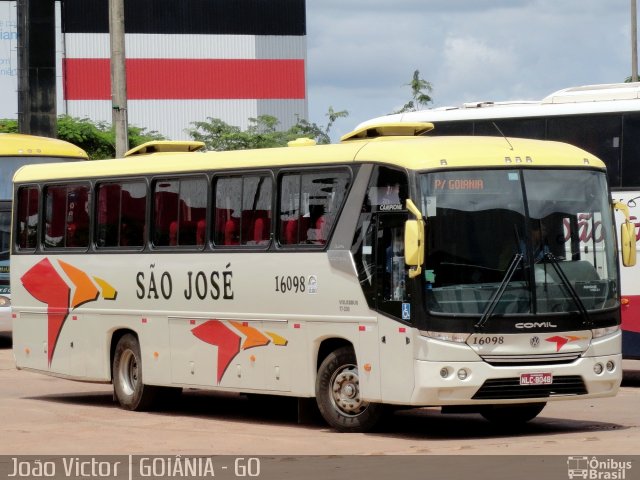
[534,342]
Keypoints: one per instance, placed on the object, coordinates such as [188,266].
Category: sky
[362,53]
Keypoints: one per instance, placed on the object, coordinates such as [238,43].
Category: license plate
[536,379]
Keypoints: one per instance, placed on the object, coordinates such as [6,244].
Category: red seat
[231,232]
[173,233]
[201,232]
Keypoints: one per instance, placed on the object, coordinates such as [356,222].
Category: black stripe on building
[224,17]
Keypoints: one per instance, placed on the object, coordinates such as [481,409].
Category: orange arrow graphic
[277,339]
[86,291]
[254,337]
[108,292]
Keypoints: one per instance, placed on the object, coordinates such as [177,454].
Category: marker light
[603,332]
[447,336]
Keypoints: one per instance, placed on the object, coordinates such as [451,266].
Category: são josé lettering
[195,285]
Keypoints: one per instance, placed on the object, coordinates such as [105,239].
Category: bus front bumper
[478,383]
[6,324]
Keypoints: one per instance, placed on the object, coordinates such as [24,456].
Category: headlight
[603,332]
[5,301]
[447,336]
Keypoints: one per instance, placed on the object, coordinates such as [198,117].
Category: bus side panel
[397,362]
[368,353]
[192,362]
[30,341]
[283,357]
[153,335]
[72,347]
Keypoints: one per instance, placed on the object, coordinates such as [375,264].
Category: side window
[27,217]
[5,233]
[256,210]
[630,151]
[378,242]
[66,216]
[242,210]
[599,135]
[309,206]
[388,191]
[228,211]
[121,214]
[180,211]
[289,209]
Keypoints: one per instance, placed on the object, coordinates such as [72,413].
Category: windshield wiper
[493,303]
[586,321]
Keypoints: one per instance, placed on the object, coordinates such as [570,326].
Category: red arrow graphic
[43,282]
[216,333]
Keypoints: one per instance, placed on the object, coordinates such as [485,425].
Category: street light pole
[634,41]
[118,76]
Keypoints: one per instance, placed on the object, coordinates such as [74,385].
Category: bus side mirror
[414,241]
[627,236]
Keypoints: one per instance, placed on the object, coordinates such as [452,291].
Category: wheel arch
[115,338]
[329,345]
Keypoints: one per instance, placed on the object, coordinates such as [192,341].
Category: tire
[128,385]
[512,415]
[338,394]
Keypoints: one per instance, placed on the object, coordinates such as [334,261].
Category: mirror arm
[623,207]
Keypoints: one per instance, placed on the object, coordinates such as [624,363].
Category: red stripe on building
[155,79]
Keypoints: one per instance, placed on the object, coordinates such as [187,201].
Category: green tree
[262,132]
[8,125]
[95,138]
[420,94]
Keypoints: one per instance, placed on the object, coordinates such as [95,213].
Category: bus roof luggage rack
[165,146]
[592,93]
[409,129]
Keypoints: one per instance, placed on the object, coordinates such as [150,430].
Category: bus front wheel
[130,391]
[338,394]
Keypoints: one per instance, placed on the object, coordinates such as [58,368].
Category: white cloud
[363,52]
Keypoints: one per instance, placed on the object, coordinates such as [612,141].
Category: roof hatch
[412,129]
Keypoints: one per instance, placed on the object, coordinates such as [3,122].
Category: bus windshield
[552,227]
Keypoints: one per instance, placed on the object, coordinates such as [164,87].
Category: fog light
[610,366]
[462,374]
[597,368]
[444,372]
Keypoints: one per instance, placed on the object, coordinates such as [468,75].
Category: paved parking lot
[45,415]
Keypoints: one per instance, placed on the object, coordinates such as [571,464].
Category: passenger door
[394,309]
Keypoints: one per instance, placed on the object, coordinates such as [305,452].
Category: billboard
[187,60]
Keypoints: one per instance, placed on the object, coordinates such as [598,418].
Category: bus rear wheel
[338,394]
[512,415]
[128,385]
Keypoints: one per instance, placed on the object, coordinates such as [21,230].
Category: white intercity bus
[392,268]
[602,119]
[17,150]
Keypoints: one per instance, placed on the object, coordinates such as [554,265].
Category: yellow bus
[389,269]
[17,150]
